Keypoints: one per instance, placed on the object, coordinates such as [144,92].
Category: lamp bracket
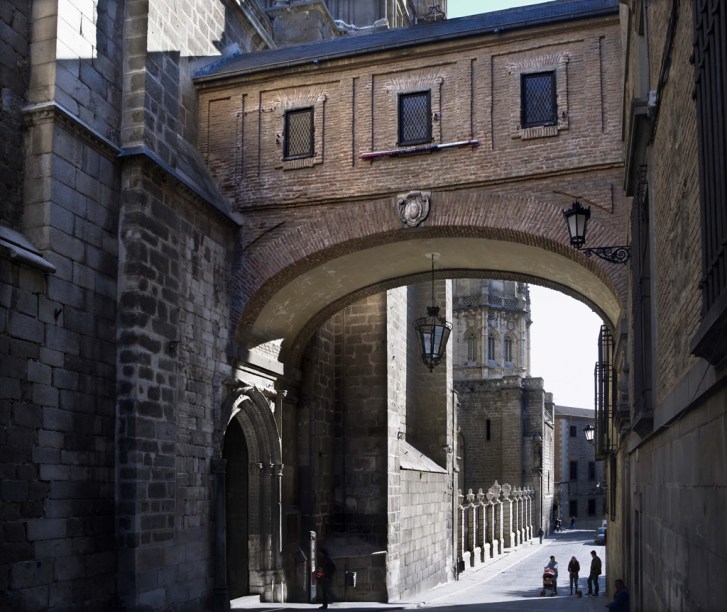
[613,254]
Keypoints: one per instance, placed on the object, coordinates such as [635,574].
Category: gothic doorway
[236,486]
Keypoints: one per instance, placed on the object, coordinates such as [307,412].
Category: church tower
[492,329]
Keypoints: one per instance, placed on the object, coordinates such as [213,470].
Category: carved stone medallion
[413,207]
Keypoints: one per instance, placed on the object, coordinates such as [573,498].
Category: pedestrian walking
[541,533]
[594,574]
[324,574]
[620,601]
[573,569]
[572,522]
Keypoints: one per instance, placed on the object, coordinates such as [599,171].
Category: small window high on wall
[538,99]
[299,133]
[415,118]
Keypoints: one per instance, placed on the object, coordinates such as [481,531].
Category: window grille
[415,118]
[299,133]
[605,383]
[538,103]
[710,92]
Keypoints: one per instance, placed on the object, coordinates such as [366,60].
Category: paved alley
[512,582]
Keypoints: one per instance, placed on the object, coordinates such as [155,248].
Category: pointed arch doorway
[235,452]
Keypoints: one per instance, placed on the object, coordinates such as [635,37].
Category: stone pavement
[512,582]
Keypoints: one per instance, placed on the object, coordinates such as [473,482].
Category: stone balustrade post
[463,554]
[481,508]
[509,541]
[497,519]
[475,551]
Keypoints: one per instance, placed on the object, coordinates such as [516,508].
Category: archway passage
[236,486]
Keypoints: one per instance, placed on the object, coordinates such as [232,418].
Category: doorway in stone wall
[236,486]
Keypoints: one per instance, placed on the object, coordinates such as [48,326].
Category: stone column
[220,592]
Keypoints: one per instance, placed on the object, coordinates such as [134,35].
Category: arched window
[491,347]
[508,348]
[471,346]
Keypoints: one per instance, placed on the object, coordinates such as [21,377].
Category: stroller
[549,582]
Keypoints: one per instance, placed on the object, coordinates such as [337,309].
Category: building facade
[581,486]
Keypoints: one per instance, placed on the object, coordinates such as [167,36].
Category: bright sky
[462,8]
[564,332]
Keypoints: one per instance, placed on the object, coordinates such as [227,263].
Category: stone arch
[253,410]
[345,257]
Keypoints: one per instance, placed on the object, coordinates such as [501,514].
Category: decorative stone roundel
[413,207]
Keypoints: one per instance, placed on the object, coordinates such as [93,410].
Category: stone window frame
[472,346]
[491,347]
[318,104]
[416,84]
[553,62]
[508,344]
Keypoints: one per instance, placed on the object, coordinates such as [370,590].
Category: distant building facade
[580,479]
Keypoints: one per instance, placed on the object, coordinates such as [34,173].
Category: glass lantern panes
[299,133]
[538,103]
[415,118]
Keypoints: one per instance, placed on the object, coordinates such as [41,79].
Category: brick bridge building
[214,241]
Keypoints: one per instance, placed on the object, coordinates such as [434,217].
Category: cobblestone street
[510,583]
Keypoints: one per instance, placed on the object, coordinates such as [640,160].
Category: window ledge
[430,148]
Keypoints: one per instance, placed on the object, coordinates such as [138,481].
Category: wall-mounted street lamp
[576,218]
[433,332]
[589,431]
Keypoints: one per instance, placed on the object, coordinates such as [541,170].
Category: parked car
[600,536]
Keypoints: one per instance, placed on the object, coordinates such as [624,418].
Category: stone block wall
[426,531]
[174,330]
[59,361]
[14,76]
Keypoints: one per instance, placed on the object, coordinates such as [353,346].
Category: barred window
[538,99]
[415,118]
[299,133]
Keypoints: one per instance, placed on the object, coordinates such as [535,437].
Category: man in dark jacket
[595,573]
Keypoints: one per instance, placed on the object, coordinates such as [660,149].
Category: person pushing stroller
[550,577]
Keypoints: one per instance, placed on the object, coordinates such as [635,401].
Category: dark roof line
[495,23]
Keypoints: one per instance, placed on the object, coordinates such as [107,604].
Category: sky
[564,333]
[462,8]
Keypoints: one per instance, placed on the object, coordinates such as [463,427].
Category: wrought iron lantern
[576,218]
[433,332]
[589,431]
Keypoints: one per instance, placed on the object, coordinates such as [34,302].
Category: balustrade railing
[488,524]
